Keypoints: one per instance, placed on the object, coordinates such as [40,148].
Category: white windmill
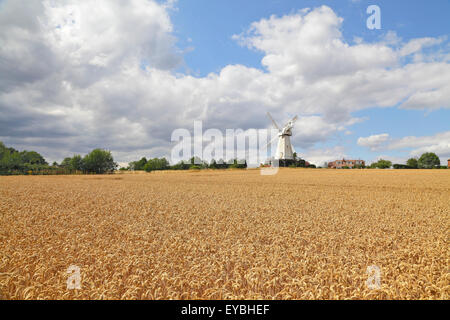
[285,150]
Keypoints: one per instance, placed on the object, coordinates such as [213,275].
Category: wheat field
[234,234]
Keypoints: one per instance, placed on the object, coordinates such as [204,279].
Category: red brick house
[339,164]
[448,163]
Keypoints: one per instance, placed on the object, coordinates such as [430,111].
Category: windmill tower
[285,150]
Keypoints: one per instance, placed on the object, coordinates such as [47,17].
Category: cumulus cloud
[71,72]
[438,143]
[431,99]
[311,46]
[328,75]
[319,156]
[373,142]
[78,75]
[393,159]
[416,45]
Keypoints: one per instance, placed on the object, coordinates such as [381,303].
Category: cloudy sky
[122,75]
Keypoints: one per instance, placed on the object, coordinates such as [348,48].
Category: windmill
[285,150]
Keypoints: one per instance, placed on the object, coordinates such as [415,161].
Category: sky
[123,75]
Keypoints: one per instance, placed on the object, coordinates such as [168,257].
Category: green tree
[72,164]
[3,149]
[138,165]
[381,164]
[401,166]
[242,164]
[156,164]
[99,161]
[32,157]
[213,164]
[11,161]
[66,163]
[413,163]
[428,160]
[76,163]
[196,161]
[222,164]
[180,166]
[301,163]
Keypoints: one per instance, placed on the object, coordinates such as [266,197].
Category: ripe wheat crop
[300,234]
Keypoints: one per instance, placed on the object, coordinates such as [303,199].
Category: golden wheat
[300,234]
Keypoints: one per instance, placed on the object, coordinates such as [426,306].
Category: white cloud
[373,142]
[442,149]
[416,45]
[78,75]
[319,156]
[415,146]
[394,160]
[438,143]
[431,99]
[311,46]
[109,33]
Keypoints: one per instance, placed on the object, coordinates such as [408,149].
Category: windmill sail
[273,121]
[285,150]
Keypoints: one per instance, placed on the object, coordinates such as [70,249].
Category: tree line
[193,163]
[101,161]
[155,164]
[296,163]
[14,162]
[427,160]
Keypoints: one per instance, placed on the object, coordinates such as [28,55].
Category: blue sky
[207,28]
[210,25]
[123,76]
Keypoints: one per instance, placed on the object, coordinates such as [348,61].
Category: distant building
[448,163]
[339,164]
